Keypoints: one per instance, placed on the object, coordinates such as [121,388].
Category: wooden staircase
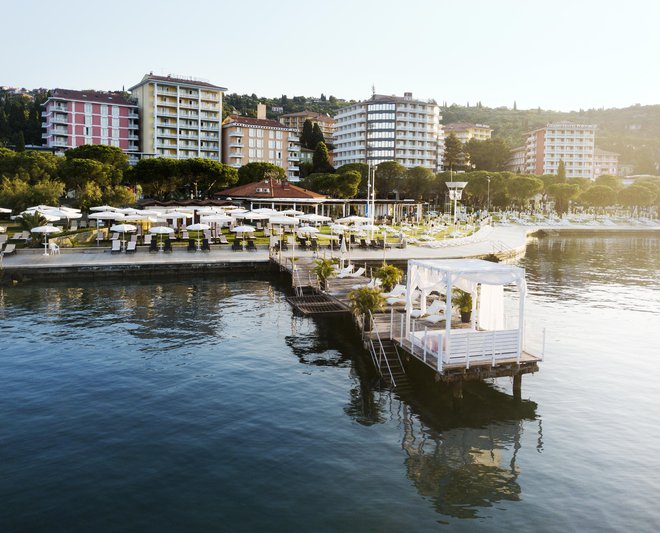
[386,358]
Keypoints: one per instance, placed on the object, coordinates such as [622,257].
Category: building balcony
[133,114]
[236,155]
[236,134]
[235,165]
[188,105]
[188,136]
[294,138]
[167,90]
[215,138]
[60,143]
[236,145]
[293,168]
[160,112]
[293,158]
[160,124]
[133,137]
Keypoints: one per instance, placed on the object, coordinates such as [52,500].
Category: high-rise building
[179,117]
[562,141]
[249,140]
[605,162]
[73,118]
[389,128]
[296,120]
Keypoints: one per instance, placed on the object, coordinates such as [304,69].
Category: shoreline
[505,242]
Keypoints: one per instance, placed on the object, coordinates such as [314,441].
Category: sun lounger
[115,236]
[435,318]
[373,284]
[131,246]
[237,245]
[223,239]
[73,226]
[192,245]
[3,239]
[184,235]
[153,245]
[206,246]
[147,239]
[168,245]
[251,246]
[346,272]
[116,247]
[398,291]
[9,249]
[432,309]
[134,237]
[357,274]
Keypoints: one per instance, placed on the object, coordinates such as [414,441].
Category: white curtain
[491,307]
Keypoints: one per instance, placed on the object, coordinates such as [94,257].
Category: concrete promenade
[502,241]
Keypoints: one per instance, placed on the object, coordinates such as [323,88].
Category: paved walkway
[501,240]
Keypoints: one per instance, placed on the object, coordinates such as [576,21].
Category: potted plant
[463,300]
[324,270]
[366,300]
[389,276]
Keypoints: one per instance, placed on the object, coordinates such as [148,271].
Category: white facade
[389,128]
[605,163]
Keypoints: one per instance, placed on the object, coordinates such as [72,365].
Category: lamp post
[456,193]
[488,178]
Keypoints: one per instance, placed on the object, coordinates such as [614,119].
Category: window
[104,132]
[271,153]
[115,123]
[251,143]
[260,133]
[278,134]
[104,110]
[251,153]
[104,122]
[115,111]
[271,144]
[260,143]
[115,133]
[251,133]
[88,109]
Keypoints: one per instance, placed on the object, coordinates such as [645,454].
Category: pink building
[74,118]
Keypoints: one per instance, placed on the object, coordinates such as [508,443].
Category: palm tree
[389,275]
[28,221]
[366,300]
[324,270]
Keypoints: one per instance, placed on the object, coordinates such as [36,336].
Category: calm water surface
[206,404]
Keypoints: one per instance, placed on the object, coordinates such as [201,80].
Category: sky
[561,55]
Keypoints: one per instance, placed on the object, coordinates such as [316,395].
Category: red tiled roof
[104,97]
[249,121]
[276,189]
[173,79]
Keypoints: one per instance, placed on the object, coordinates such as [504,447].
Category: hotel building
[563,141]
[296,120]
[179,117]
[605,163]
[465,131]
[73,118]
[248,140]
[389,128]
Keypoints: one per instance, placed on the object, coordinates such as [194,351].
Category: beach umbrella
[123,229]
[103,208]
[138,217]
[284,221]
[266,211]
[293,212]
[198,228]
[307,229]
[41,207]
[216,218]
[4,210]
[313,217]
[161,230]
[104,215]
[243,229]
[48,216]
[46,230]
[253,215]
[353,219]
[338,228]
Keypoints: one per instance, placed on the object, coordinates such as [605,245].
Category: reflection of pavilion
[466,460]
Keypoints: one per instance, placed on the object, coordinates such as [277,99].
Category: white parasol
[46,230]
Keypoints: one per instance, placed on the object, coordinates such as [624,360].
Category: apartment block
[73,118]
[296,120]
[562,141]
[605,163]
[465,131]
[248,140]
[389,128]
[518,161]
[179,117]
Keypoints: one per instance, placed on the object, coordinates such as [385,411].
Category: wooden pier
[390,350]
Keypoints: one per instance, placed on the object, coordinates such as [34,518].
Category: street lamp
[488,178]
[456,193]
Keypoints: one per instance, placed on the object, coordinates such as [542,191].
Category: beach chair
[251,246]
[184,235]
[398,291]
[433,309]
[115,236]
[153,245]
[346,272]
[192,245]
[223,239]
[363,244]
[284,245]
[206,245]
[315,245]
[134,237]
[116,247]
[358,273]
[237,245]
[73,226]
[17,236]
[131,247]
[168,245]
[9,249]
[53,248]
[147,239]
[3,239]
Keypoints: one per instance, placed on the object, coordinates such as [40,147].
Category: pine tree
[515,107]
[307,136]
[20,142]
[561,170]
[453,152]
[317,135]
[321,159]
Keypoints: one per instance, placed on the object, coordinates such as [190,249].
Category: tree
[336,185]
[77,172]
[28,221]
[453,152]
[561,170]
[119,196]
[29,165]
[20,142]
[613,182]
[562,194]
[158,176]
[307,135]
[205,176]
[15,193]
[636,196]
[317,135]
[598,196]
[107,155]
[88,194]
[523,188]
[417,182]
[259,171]
[321,159]
[389,178]
[47,191]
[491,154]
[363,169]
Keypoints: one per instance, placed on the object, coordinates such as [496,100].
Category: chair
[206,246]
[192,245]
[237,245]
[9,249]
[116,247]
[357,274]
[184,235]
[153,245]
[251,246]
[284,245]
[73,226]
[346,272]
[363,244]
[223,239]
[131,246]
[168,245]
[397,291]
[315,245]
[134,237]
[3,239]
[53,248]
[115,236]
[432,309]
[147,239]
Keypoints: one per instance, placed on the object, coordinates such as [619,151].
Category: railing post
[467,350]
[492,347]
[402,326]
[392,323]
[412,337]
[426,334]
[440,353]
